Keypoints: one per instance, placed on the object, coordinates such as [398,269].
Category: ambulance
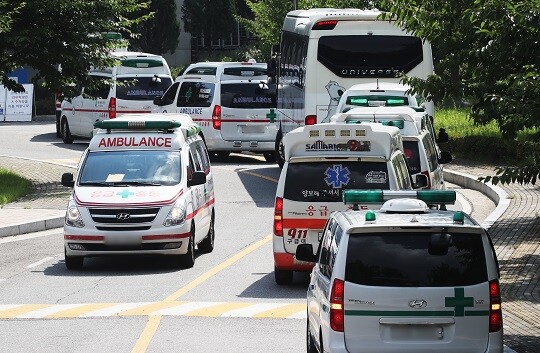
[143,186]
[321,161]
[127,88]
[420,145]
[231,102]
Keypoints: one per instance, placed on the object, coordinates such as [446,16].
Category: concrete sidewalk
[514,227]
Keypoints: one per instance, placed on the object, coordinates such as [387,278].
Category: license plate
[253,129]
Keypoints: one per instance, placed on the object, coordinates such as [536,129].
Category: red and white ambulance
[143,186]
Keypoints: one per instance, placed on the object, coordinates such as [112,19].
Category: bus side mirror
[67,180]
[271,69]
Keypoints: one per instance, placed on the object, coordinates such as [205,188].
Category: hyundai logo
[123,216]
[417,303]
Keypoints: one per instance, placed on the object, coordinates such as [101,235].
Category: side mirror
[420,181]
[158,100]
[304,252]
[67,180]
[443,136]
[446,157]
[197,178]
[271,69]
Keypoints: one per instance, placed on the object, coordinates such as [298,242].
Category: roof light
[141,63]
[193,130]
[137,124]
[370,216]
[353,196]
[325,25]
[397,123]
[459,217]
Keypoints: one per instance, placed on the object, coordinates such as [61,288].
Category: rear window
[195,94]
[244,71]
[247,95]
[412,152]
[376,100]
[325,181]
[142,88]
[408,259]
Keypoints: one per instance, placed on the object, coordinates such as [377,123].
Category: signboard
[2,103]
[18,105]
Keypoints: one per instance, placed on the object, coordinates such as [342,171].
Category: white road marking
[185,308]
[253,309]
[42,261]
[48,311]
[114,310]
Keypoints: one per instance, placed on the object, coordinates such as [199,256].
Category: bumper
[240,146]
[287,261]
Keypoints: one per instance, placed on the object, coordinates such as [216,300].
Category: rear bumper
[239,146]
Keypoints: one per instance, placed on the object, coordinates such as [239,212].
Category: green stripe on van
[444,313]
[142,63]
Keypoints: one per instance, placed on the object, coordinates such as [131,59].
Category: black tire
[283,277]
[66,133]
[311,348]
[279,150]
[73,262]
[207,244]
[187,260]
[270,157]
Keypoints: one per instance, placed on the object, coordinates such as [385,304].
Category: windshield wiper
[139,183]
[94,183]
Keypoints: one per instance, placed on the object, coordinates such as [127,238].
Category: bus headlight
[73,216]
[177,214]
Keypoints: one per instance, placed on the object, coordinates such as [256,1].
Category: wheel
[187,260]
[269,157]
[73,262]
[207,244]
[283,277]
[311,348]
[66,134]
[280,150]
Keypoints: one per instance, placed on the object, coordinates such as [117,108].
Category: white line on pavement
[37,263]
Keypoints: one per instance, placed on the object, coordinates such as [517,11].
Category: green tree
[213,19]
[159,34]
[44,34]
[487,54]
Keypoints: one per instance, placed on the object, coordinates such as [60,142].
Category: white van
[143,186]
[128,88]
[321,161]
[404,278]
[419,143]
[231,102]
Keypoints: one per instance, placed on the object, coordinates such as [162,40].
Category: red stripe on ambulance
[304,223]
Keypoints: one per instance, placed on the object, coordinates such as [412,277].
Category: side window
[430,152]
[170,94]
[203,155]
[398,173]
[195,157]
[98,88]
[338,232]
[326,244]
[402,172]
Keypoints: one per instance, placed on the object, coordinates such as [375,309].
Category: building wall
[182,54]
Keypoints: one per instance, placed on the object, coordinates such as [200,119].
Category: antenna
[377,83]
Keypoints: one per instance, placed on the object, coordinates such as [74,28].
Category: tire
[279,150]
[283,277]
[187,260]
[73,262]
[66,133]
[270,157]
[311,348]
[207,244]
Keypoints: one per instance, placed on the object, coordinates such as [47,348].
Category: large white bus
[323,52]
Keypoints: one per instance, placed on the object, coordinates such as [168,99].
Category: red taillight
[495,310]
[112,108]
[337,317]
[278,217]
[325,24]
[311,119]
[426,173]
[216,117]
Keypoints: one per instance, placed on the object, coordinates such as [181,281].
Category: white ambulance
[404,278]
[321,161]
[231,102]
[143,186]
[419,142]
[128,88]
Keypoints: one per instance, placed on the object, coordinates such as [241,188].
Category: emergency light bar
[352,197]
[137,124]
[373,101]
[400,124]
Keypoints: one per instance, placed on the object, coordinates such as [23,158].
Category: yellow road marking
[80,310]
[283,311]
[149,308]
[257,175]
[146,336]
[13,312]
[218,309]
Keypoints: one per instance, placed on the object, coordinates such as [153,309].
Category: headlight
[177,214]
[73,216]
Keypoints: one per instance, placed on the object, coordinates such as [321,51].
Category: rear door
[406,293]
[135,93]
[244,105]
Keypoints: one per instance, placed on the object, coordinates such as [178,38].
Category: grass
[483,143]
[12,186]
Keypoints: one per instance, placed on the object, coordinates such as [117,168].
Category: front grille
[122,229]
[103,247]
[123,215]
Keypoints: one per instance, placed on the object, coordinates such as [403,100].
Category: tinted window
[431,153]
[354,56]
[203,71]
[98,87]
[195,94]
[170,94]
[324,181]
[142,88]
[412,152]
[408,259]
[244,71]
[247,95]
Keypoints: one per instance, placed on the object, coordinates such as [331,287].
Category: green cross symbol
[459,302]
[271,116]
[188,94]
[125,194]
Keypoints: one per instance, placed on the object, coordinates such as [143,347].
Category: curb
[31,227]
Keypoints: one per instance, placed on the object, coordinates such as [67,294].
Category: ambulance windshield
[131,167]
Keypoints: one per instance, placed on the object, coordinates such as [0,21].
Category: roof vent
[404,206]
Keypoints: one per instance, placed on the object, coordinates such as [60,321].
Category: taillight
[216,117]
[426,173]
[495,310]
[311,119]
[337,317]
[325,24]
[278,217]
[112,108]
